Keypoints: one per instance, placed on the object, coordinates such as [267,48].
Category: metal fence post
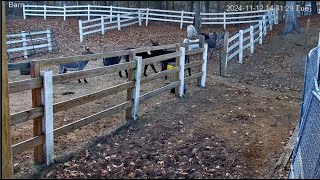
[49,40]
[264,25]
[181,74]
[47,118]
[118,18]
[44,12]
[240,46]
[80,31]
[251,39]
[204,65]
[24,44]
[102,24]
[136,89]
[181,21]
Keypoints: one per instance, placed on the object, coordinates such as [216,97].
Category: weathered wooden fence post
[251,39]
[64,12]
[132,57]
[260,32]
[102,24]
[6,150]
[177,63]
[39,154]
[49,40]
[24,44]
[147,15]
[224,21]
[80,31]
[204,65]
[240,46]
[181,20]
[118,19]
[200,56]
[136,89]
[181,75]
[139,16]
[225,55]
[88,11]
[44,12]
[47,119]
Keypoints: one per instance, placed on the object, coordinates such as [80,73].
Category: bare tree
[314,9]
[197,16]
[207,6]
[291,23]
[191,6]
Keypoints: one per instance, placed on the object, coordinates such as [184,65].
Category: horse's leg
[85,80]
[79,80]
[154,68]
[120,74]
[126,73]
[145,70]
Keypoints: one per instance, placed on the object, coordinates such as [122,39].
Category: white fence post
[24,11]
[64,12]
[260,32]
[47,119]
[224,21]
[181,74]
[49,40]
[102,24]
[139,16]
[44,12]
[88,11]
[80,31]
[136,89]
[24,44]
[118,17]
[264,25]
[204,65]
[270,21]
[110,13]
[251,39]
[181,23]
[147,15]
[240,46]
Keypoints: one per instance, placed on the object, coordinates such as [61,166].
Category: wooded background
[205,6]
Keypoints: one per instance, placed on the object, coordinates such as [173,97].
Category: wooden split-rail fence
[42,81]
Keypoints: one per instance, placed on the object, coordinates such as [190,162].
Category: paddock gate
[42,81]
[306,156]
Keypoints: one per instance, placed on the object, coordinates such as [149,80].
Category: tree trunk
[218,6]
[172,5]
[167,5]
[314,9]
[191,6]
[207,6]
[291,23]
[197,16]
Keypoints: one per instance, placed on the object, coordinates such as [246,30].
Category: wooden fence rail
[42,82]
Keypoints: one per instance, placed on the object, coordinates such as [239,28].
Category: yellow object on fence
[170,67]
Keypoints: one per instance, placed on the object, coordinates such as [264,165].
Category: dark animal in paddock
[76,66]
[114,60]
[213,40]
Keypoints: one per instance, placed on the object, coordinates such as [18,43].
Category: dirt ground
[236,127]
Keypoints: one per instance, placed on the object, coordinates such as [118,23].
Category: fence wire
[306,156]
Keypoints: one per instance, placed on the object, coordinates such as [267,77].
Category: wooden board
[23,116]
[160,58]
[158,91]
[159,75]
[24,85]
[28,144]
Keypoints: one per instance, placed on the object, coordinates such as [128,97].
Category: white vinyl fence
[147,14]
[28,41]
[237,43]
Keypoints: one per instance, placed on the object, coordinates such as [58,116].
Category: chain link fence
[305,162]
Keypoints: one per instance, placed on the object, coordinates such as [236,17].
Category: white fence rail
[147,14]
[26,41]
[237,43]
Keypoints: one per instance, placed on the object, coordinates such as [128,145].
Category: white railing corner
[136,89]
[24,44]
[118,19]
[102,25]
[44,12]
[204,65]
[251,39]
[181,73]
[49,40]
[240,46]
[80,31]
[181,20]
